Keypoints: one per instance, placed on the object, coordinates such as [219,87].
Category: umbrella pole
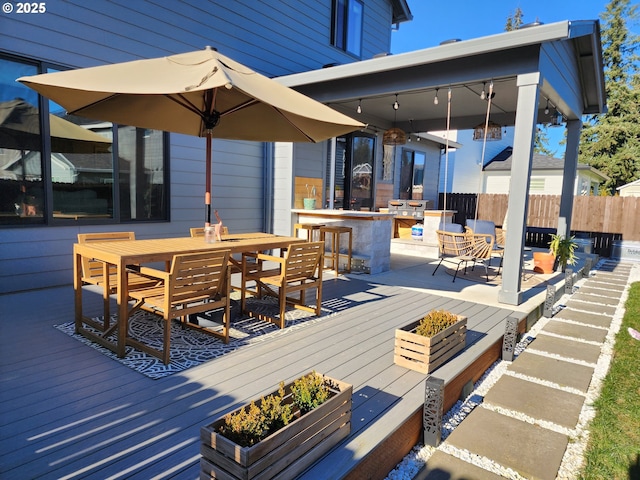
[207,193]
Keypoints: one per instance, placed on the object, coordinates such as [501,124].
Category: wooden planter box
[425,354]
[287,452]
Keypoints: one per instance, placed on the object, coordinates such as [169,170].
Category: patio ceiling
[566,54]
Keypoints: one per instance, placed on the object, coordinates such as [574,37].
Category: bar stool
[334,253]
[311,228]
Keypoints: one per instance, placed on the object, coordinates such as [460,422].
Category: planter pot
[543,262]
[285,453]
[309,203]
[425,354]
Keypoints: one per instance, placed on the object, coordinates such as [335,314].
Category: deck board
[71,411]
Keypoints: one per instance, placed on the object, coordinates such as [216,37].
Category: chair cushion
[451,227]
[485,227]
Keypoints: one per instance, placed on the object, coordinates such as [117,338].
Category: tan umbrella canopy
[20,130]
[201,93]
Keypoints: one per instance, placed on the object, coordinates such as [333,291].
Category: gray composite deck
[70,412]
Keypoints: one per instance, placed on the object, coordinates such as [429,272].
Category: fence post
[432,412]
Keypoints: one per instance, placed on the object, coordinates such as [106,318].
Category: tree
[541,142]
[514,21]
[610,142]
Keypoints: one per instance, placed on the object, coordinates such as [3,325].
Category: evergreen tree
[541,142]
[611,142]
[514,21]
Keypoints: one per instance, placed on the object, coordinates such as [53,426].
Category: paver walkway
[528,417]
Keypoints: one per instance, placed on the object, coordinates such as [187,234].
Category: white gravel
[572,460]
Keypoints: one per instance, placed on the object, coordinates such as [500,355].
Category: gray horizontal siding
[272,37]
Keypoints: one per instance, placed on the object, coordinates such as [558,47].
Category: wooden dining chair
[104,275]
[199,231]
[196,283]
[298,271]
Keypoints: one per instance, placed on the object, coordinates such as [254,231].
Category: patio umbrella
[20,130]
[201,93]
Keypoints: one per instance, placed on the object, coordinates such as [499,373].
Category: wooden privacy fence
[611,215]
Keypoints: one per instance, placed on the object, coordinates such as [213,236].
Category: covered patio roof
[567,54]
[557,66]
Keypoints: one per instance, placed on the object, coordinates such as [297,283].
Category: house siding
[273,37]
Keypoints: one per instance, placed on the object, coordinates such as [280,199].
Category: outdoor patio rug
[191,347]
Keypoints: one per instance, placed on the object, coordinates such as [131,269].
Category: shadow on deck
[69,411]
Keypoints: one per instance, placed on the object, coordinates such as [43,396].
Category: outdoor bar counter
[371,235]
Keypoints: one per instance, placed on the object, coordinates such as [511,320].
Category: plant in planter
[430,341]
[280,434]
[564,250]
[310,200]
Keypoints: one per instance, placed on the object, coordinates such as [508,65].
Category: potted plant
[310,201]
[564,249]
[430,341]
[280,434]
[544,262]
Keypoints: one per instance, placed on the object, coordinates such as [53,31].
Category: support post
[523,142]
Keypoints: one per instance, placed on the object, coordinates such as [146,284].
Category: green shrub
[245,427]
[252,424]
[310,391]
[435,321]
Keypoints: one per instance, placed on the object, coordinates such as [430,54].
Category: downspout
[267,187]
[332,172]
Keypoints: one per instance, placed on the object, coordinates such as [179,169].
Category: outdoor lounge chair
[196,283]
[299,270]
[462,249]
[488,228]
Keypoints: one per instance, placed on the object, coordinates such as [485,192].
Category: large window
[412,174]
[353,178]
[57,168]
[347,26]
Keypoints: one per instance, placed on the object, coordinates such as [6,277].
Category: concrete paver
[585,352]
[599,299]
[592,307]
[442,466]
[533,399]
[565,374]
[588,318]
[599,290]
[572,330]
[532,451]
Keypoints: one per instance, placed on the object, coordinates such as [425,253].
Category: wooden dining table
[131,253]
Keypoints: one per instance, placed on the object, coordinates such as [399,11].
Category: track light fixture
[435,99]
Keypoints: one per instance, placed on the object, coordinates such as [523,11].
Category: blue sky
[434,22]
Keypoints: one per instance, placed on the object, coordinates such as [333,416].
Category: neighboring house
[630,189]
[546,176]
